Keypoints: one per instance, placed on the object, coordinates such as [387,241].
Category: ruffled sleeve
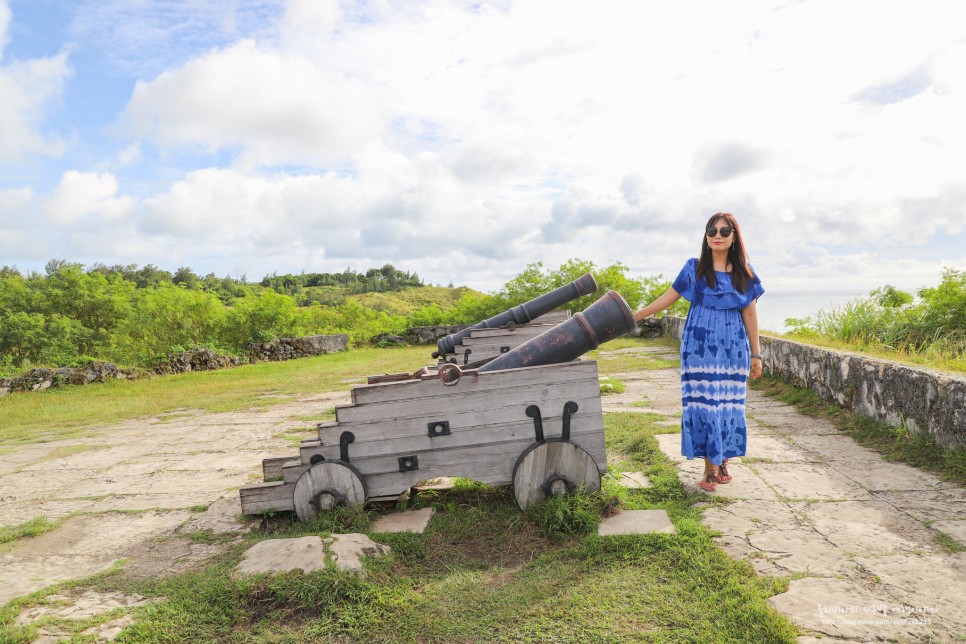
[684,283]
[723,296]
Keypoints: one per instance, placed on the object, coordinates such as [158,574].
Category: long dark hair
[740,273]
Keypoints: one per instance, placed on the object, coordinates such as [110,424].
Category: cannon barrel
[523,313]
[608,318]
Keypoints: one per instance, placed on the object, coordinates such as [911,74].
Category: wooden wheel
[553,468]
[326,485]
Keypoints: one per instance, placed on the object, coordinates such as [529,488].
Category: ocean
[775,307]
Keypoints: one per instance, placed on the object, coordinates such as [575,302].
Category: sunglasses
[724,230]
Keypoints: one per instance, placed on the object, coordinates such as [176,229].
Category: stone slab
[634,480]
[670,444]
[809,481]
[280,555]
[849,610]
[310,553]
[880,476]
[867,527]
[408,521]
[954,528]
[222,517]
[637,522]
[349,550]
[745,484]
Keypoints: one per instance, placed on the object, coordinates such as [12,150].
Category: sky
[464,140]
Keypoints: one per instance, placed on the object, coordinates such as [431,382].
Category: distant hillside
[410,299]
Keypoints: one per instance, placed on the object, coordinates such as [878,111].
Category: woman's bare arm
[750,316]
[669,297]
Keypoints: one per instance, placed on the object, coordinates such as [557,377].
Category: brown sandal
[710,482]
[723,476]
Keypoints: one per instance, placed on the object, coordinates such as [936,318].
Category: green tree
[171,318]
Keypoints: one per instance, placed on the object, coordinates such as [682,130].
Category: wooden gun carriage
[531,417]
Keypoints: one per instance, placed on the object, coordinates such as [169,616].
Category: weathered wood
[272,467]
[490,463]
[480,401]
[324,486]
[555,468]
[416,438]
[265,497]
[403,433]
[432,387]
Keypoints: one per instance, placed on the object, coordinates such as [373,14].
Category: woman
[719,347]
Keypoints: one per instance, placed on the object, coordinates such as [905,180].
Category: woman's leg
[709,480]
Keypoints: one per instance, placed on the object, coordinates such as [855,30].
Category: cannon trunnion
[538,428]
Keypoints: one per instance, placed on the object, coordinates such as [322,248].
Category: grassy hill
[410,299]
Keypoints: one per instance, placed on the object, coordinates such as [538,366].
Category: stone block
[637,522]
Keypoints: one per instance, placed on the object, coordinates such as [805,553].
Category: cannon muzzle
[523,313]
[608,318]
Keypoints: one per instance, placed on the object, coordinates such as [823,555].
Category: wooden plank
[294,469]
[491,464]
[475,422]
[272,467]
[498,402]
[264,497]
[522,428]
[462,457]
[513,378]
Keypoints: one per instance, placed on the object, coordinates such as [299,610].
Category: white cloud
[27,88]
[81,195]
[469,139]
[272,107]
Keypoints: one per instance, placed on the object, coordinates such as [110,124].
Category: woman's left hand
[755,368]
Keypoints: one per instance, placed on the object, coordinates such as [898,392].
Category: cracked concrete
[856,535]
[131,491]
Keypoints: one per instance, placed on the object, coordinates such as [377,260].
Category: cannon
[535,422]
[480,344]
[523,313]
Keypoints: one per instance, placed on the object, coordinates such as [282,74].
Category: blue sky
[463,140]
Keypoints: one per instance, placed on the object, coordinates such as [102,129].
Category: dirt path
[135,482]
[859,537]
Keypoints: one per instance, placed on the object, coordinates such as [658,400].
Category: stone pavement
[856,535]
[122,488]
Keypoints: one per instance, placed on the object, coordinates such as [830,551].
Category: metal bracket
[534,412]
[344,440]
[438,428]
[408,463]
[570,408]
[466,356]
[504,349]
[316,458]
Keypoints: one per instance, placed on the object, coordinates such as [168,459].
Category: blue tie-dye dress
[715,360]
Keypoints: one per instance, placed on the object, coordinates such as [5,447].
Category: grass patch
[610,385]
[610,362]
[893,443]
[69,412]
[27,529]
[949,543]
[929,359]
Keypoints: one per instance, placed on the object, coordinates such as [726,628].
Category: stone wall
[194,360]
[430,334]
[290,348]
[920,398]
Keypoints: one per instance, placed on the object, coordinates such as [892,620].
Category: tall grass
[930,328]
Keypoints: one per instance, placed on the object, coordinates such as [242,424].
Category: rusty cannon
[533,421]
[522,313]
